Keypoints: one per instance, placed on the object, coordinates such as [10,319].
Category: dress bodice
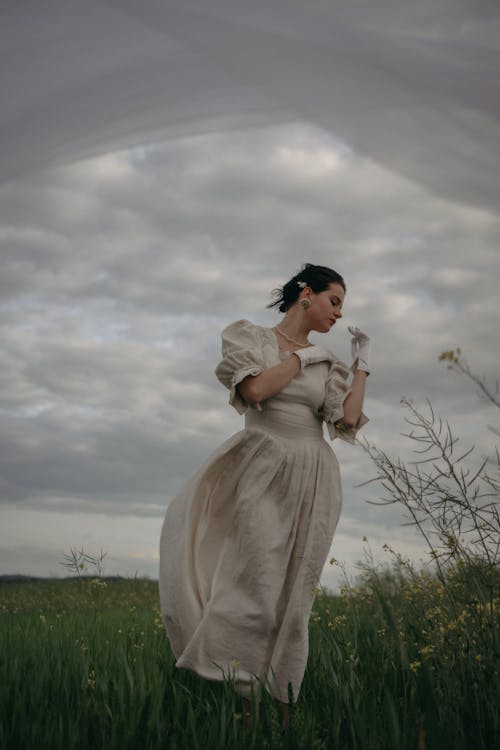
[307,387]
[316,393]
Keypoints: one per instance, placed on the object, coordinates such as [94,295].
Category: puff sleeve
[336,391]
[241,356]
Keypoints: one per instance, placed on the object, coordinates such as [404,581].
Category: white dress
[244,541]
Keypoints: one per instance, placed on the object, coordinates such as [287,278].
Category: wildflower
[426,650]
[450,356]
[414,665]
[451,541]
[98,583]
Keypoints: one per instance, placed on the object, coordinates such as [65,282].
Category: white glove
[360,348]
[311,354]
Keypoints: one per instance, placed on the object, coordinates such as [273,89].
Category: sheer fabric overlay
[416,91]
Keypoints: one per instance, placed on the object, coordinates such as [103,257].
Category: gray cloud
[119,273]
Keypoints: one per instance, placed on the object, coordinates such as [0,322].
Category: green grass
[396,663]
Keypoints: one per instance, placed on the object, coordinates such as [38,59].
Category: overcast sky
[120,270]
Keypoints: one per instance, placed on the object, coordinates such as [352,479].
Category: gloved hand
[360,348]
[311,354]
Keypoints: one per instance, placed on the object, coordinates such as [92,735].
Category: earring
[305,303]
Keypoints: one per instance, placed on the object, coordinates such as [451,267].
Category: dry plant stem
[451,503]
[460,364]
[77,561]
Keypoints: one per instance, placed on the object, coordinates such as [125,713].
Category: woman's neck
[295,328]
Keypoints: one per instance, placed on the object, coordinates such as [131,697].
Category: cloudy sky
[124,255]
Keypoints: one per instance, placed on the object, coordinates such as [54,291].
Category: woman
[244,542]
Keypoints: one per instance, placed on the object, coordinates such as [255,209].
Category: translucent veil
[415,86]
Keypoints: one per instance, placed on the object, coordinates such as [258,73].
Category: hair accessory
[302,284]
[305,303]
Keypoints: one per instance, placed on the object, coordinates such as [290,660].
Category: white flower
[302,284]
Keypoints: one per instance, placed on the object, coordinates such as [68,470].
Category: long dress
[244,542]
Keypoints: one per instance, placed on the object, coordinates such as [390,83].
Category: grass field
[397,662]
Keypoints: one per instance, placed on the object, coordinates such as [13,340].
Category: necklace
[289,338]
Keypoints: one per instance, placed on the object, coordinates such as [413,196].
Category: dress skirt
[242,549]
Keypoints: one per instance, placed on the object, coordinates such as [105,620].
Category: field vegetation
[398,661]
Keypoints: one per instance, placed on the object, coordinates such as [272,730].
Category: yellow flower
[414,665]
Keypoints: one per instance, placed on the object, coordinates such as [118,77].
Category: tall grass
[394,663]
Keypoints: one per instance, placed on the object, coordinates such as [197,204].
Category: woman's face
[326,308]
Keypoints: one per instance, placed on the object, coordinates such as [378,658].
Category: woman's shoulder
[244,326]
[243,331]
[241,323]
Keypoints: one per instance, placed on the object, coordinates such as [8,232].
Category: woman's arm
[353,404]
[256,388]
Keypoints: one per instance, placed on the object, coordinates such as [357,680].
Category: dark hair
[318,278]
